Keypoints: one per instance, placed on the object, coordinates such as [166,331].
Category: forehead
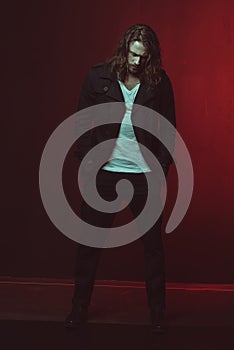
[138,48]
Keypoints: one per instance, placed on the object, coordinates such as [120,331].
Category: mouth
[134,67]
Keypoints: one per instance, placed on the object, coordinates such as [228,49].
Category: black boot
[77,317]
[156,318]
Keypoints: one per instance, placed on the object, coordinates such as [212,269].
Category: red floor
[115,302]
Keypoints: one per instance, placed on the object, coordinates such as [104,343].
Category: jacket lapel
[144,94]
[113,88]
[115,92]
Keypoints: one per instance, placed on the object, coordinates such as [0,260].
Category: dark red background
[47,49]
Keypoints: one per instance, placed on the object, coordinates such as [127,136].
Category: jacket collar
[144,93]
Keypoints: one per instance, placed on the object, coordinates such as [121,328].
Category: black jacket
[101,86]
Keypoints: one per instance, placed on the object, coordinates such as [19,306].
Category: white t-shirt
[126,155]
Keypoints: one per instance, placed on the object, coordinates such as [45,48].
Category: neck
[131,81]
[132,77]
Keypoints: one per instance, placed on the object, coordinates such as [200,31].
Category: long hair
[153,63]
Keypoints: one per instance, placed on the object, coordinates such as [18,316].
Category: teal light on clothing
[127,156]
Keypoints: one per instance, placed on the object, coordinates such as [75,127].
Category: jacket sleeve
[84,119]
[168,134]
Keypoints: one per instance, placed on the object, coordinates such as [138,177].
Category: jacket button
[105,88]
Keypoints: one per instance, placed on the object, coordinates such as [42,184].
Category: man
[133,75]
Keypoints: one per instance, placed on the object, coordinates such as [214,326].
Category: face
[137,55]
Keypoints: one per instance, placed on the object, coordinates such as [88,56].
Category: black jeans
[87,257]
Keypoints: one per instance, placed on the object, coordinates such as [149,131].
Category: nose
[137,60]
